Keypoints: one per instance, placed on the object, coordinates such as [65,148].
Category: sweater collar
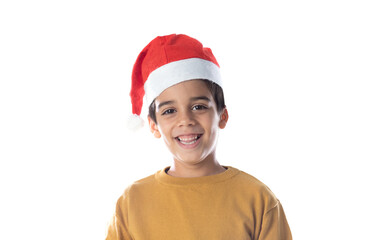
[163,177]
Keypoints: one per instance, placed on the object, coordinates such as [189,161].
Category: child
[196,197]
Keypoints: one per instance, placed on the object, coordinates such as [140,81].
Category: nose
[186,118]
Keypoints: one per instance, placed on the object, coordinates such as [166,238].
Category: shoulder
[255,190]
[137,186]
[247,180]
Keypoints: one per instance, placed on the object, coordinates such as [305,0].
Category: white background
[300,86]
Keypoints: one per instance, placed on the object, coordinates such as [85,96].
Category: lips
[188,140]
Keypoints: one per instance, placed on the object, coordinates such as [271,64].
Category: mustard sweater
[231,205]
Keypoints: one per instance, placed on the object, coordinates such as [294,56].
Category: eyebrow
[192,99]
[200,98]
[164,103]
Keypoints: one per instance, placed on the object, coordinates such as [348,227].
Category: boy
[196,197]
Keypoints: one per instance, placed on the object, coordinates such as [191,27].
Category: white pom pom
[134,122]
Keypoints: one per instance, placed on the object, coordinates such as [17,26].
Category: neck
[204,168]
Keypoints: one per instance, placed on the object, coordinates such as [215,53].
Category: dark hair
[215,90]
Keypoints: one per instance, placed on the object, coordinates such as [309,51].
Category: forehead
[185,90]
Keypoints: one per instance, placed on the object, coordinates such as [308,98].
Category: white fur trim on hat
[179,71]
[134,122]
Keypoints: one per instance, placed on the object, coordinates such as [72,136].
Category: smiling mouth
[189,139]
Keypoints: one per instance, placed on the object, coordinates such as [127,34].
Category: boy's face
[188,121]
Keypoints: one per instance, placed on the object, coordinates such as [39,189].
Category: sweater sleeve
[275,225]
[118,227]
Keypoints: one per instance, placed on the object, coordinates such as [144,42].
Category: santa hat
[166,61]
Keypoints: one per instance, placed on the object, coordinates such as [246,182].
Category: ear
[153,128]
[223,118]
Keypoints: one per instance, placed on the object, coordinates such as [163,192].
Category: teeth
[187,140]
[188,143]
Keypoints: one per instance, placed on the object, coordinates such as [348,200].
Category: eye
[168,111]
[199,107]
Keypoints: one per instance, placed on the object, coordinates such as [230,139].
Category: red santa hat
[166,61]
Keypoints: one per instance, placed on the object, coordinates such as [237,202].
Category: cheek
[211,125]
[167,141]
[213,121]
[165,133]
